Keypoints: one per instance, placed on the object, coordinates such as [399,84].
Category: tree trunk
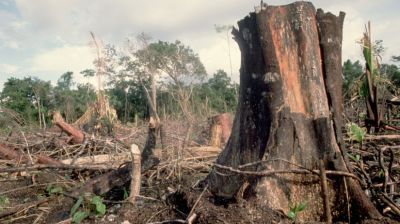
[148,159]
[77,137]
[290,113]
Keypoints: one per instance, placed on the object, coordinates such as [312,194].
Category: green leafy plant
[296,209]
[100,206]
[79,216]
[85,207]
[126,195]
[54,189]
[357,133]
[355,158]
[4,200]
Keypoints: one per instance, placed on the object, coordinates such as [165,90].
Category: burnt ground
[170,192]
[163,200]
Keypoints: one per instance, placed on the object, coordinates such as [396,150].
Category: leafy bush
[85,207]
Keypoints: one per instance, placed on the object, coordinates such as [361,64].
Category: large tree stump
[220,129]
[290,112]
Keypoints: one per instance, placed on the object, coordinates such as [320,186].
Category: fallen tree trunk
[290,115]
[43,159]
[11,154]
[112,161]
[77,137]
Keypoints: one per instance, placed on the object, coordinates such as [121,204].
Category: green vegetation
[34,99]
[357,133]
[54,189]
[4,201]
[295,209]
[353,73]
[180,83]
[181,86]
[85,207]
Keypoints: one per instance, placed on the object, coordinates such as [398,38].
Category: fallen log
[11,154]
[202,151]
[76,136]
[382,137]
[43,159]
[53,166]
[112,161]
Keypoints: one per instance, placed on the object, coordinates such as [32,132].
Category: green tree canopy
[23,96]
[220,93]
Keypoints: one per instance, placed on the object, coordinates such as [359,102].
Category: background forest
[35,99]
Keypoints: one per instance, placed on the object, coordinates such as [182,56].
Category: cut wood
[220,129]
[111,160]
[201,151]
[77,137]
[135,174]
[43,159]
[12,154]
[382,137]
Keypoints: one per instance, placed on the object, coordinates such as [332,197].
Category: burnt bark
[290,112]
[155,126]
[248,129]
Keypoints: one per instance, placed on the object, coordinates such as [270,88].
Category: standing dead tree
[101,111]
[142,64]
[286,135]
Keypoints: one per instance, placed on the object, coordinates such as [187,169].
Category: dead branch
[325,192]
[22,207]
[53,166]
[382,137]
[191,216]
[292,171]
[43,159]
[169,221]
[392,205]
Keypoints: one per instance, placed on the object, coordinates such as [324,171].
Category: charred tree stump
[220,129]
[290,114]
[148,160]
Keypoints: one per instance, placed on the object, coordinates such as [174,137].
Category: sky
[46,38]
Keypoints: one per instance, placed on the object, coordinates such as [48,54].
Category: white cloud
[57,32]
[63,59]
[216,56]
[8,69]
[12,44]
